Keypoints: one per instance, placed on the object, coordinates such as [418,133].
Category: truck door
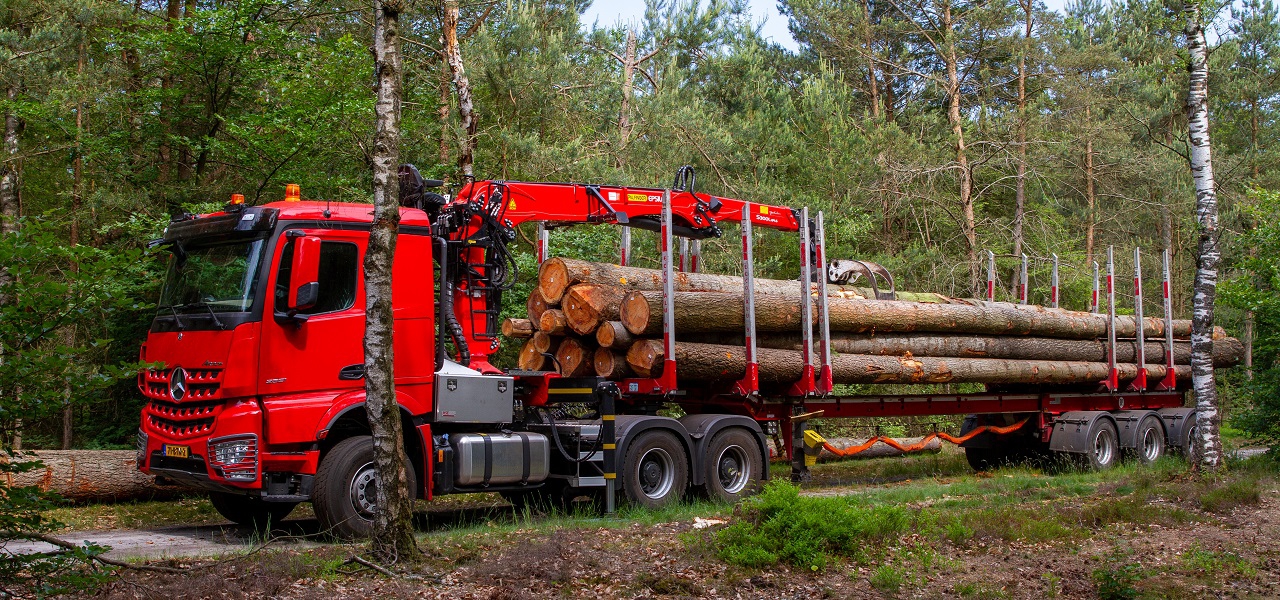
[324,352]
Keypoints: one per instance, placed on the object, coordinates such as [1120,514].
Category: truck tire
[1151,441]
[1103,449]
[732,466]
[345,490]
[655,470]
[250,511]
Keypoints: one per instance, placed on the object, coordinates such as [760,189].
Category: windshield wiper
[216,320]
[176,318]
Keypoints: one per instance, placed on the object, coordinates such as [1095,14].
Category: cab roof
[310,210]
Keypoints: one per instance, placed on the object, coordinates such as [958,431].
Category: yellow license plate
[177,451]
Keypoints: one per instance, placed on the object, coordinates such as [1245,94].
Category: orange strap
[924,442]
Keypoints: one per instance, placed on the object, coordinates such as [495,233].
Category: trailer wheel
[732,465]
[1189,448]
[250,511]
[656,470]
[345,492]
[1103,447]
[1151,441]
[985,459]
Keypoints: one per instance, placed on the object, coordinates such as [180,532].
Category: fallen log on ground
[879,450]
[90,476]
[713,362]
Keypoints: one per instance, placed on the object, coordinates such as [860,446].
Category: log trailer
[256,392]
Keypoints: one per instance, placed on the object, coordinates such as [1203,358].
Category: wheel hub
[364,491]
[657,473]
[734,469]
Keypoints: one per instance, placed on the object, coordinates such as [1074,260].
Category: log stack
[587,318]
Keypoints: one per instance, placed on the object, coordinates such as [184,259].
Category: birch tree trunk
[392,524]
[466,108]
[968,224]
[1208,447]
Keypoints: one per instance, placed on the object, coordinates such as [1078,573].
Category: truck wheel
[985,459]
[1151,441]
[250,511]
[656,470]
[345,491]
[732,466]
[1189,449]
[1103,446]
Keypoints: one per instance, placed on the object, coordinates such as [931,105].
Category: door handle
[351,372]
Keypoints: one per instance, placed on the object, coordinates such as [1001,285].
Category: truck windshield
[207,278]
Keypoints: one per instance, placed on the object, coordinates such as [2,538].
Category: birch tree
[1208,447]
[392,524]
[462,85]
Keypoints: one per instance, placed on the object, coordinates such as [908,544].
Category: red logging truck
[257,396]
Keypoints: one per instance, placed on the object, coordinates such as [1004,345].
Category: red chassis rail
[512,203]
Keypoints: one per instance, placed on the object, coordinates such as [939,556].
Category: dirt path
[178,541]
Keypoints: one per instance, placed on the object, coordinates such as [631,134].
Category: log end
[553,280]
[634,313]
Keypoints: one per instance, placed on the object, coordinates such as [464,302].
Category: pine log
[614,335]
[588,305]
[575,358]
[535,305]
[1227,352]
[558,274]
[90,476]
[645,356]
[517,328]
[611,364]
[530,358]
[879,450]
[712,362]
[553,322]
[718,311]
[544,342]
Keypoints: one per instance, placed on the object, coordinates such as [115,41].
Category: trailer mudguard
[1071,430]
[1127,422]
[704,427]
[627,427]
[1178,422]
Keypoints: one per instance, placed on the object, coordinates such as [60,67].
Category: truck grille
[202,384]
[183,419]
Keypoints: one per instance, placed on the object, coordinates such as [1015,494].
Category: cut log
[614,335]
[879,450]
[641,313]
[588,305]
[611,364]
[644,357]
[535,305]
[1227,352]
[544,342]
[558,274]
[575,358]
[517,328]
[91,476]
[530,358]
[553,322]
[712,362]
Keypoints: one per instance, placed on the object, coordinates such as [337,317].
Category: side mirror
[304,278]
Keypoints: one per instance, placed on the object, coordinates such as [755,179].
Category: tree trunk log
[544,342]
[554,322]
[614,335]
[575,358]
[536,305]
[1227,352]
[711,362]
[879,450]
[706,311]
[517,328]
[530,358]
[611,364]
[91,476]
[558,274]
[588,305]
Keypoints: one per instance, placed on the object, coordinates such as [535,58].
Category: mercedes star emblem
[178,383]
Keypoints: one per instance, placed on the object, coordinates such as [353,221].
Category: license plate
[177,451]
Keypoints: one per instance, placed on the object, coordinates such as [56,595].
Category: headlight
[235,457]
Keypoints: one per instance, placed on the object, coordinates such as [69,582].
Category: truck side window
[339,262]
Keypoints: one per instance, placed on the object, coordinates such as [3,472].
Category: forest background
[928,131]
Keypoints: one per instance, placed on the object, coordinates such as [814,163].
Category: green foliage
[1117,577]
[779,525]
[1255,287]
